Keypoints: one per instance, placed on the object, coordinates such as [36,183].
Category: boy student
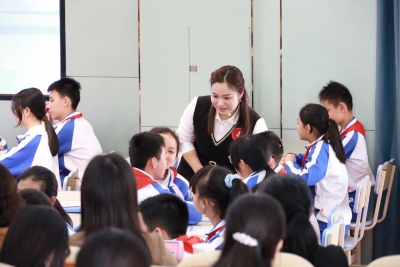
[78,143]
[167,215]
[276,150]
[337,100]
[148,157]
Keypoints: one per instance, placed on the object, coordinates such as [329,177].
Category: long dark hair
[317,117]
[33,99]
[35,233]
[48,185]
[252,149]
[233,77]
[260,217]
[109,196]
[10,200]
[209,182]
[295,198]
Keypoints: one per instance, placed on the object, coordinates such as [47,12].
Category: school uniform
[280,169]
[148,187]
[176,184]
[32,150]
[188,242]
[216,236]
[254,179]
[3,143]
[327,177]
[78,144]
[214,149]
[355,149]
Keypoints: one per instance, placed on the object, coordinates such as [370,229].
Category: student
[10,201]
[251,159]
[109,199]
[213,190]
[172,180]
[40,178]
[295,197]
[3,144]
[34,197]
[113,247]
[78,143]
[37,237]
[322,165]
[255,229]
[274,144]
[148,158]
[39,145]
[210,123]
[168,216]
[337,100]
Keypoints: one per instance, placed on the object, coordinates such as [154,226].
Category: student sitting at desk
[148,158]
[39,145]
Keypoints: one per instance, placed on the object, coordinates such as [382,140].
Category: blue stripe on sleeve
[252,182]
[184,188]
[194,216]
[65,137]
[351,145]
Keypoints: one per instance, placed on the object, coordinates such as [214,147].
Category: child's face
[335,113]
[301,130]
[160,165]
[171,147]
[56,105]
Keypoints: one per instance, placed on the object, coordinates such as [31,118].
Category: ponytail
[333,136]
[64,215]
[238,188]
[53,139]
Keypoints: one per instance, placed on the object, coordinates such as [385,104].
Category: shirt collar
[144,173]
[38,129]
[317,140]
[232,120]
[71,115]
[349,124]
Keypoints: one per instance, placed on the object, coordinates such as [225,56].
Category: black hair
[295,197]
[166,130]
[10,200]
[260,217]
[274,145]
[144,146]
[67,87]
[167,212]
[335,93]
[252,149]
[36,233]
[209,182]
[34,197]
[317,117]
[113,247]
[48,185]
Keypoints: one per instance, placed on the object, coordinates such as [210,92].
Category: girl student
[176,184]
[322,166]
[210,123]
[213,189]
[39,145]
[251,159]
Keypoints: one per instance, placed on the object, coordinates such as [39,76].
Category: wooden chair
[201,259]
[334,233]
[388,261]
[72,181]
[361,202]
[289,260]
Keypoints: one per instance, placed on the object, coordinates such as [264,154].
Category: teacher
[210,123]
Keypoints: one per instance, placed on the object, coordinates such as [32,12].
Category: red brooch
[236,133]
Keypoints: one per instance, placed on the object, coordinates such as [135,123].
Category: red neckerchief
[174,172]
[280,170]
[357,126]
[214,232]
[303,162]
[189,241]
[142,179]
[79,115]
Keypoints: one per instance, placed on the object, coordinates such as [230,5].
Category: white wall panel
[8,130]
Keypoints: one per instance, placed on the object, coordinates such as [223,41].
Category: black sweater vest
[205,148]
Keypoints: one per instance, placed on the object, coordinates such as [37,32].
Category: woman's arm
[193,160]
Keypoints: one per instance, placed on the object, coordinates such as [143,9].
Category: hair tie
[229,179]
[44,118]
[245,239]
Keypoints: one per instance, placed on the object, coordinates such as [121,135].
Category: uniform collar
[354,120]
[317,140]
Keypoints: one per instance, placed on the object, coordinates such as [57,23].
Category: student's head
[255,229]
[10,200]
[37,236]
[113,247]
[295,198]
[147,152]
[313,121]
[64,96]
[109,195]
[228,92]
[29,106]
[248,154]
[274,145]
[43,179]
[172,143]
[214,188]
[165,214]
[34,197]
[337,100]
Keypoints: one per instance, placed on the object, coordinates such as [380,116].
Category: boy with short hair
[337,100]
[78,143]
[276,150]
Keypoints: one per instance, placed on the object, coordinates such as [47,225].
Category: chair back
[333,234]
[388,261]
[289,260]
[390,168]
[201,259]
[72,181]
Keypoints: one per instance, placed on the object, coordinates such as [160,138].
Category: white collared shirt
[221,127]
